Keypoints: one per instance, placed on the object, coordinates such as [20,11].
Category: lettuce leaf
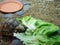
[38,32]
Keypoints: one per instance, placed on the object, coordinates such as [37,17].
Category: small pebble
[26,7]
[20,0]
[16,42]
[26,3]
[8,15]
[59,32]
[19,13]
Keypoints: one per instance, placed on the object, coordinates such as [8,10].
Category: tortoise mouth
[11,7]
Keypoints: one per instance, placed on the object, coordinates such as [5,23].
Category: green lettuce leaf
[38,32]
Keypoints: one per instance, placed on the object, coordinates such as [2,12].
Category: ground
[45,10]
